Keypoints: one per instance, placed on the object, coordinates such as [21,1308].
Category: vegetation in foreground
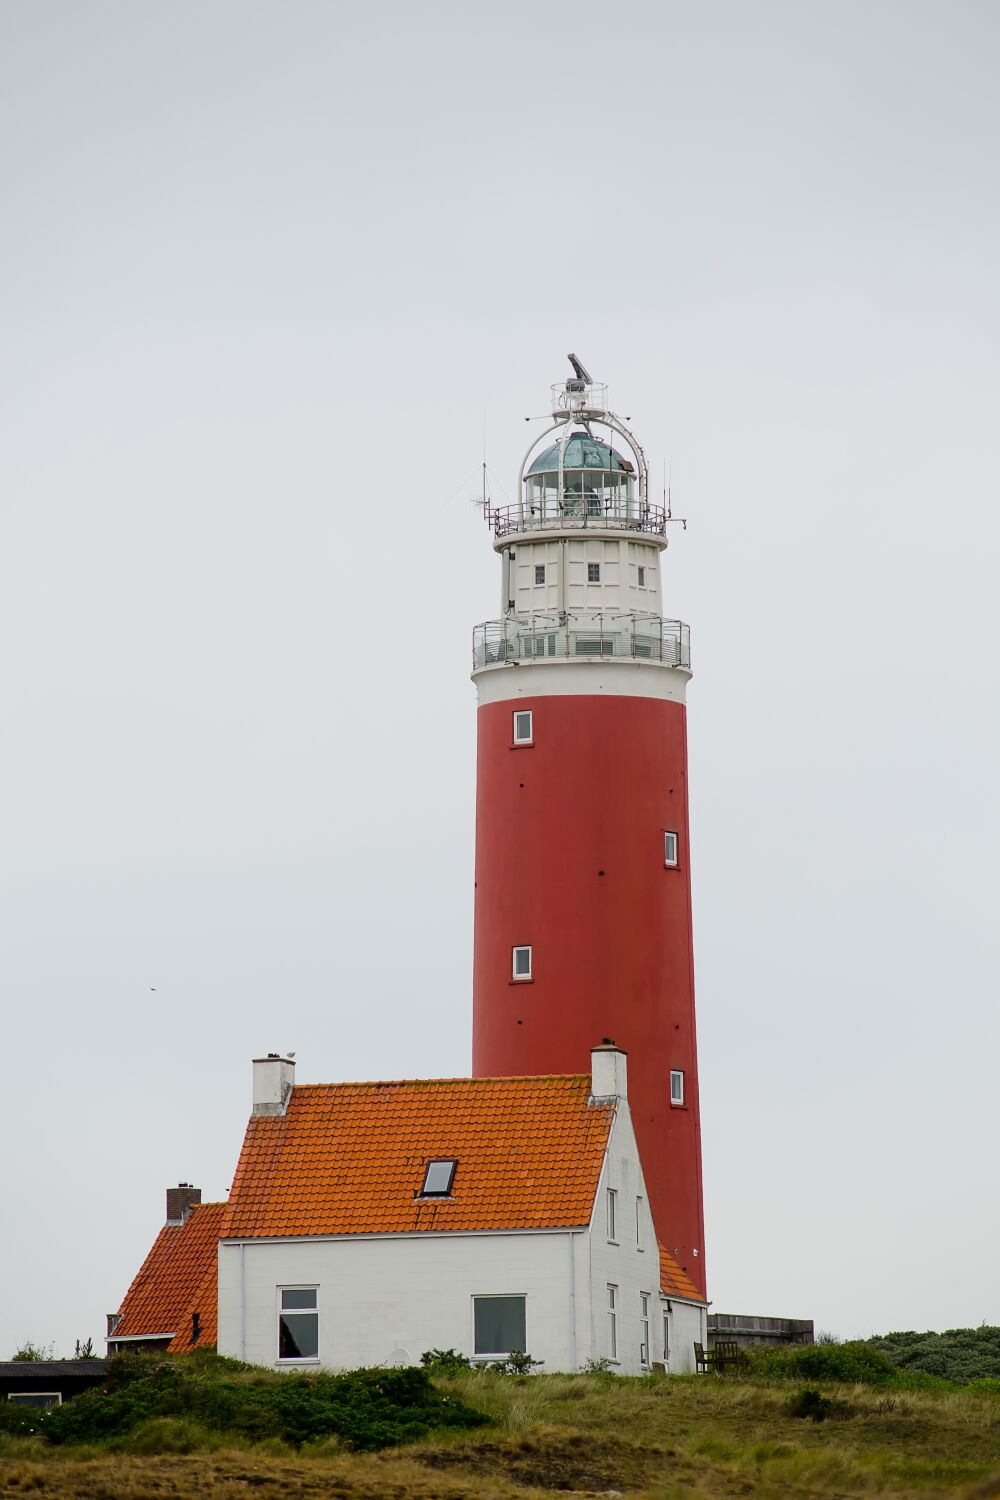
[167,1428]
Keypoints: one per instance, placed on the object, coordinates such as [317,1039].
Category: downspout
[243,1302]
[572,1297]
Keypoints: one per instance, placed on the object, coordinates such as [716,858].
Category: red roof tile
[349,1158]
[182,1262]
[674,1281]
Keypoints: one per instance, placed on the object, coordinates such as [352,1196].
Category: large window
[298,1323]
[499,1325]
[612,1322]
[36,1398]
[520,964]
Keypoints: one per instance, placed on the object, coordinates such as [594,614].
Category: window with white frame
[523,727]
[612,1214]
[438,1178]
[520,964]
[677,1086]
[298,1323]
[644,1328]
[499,1325]
[539,572]
[36,1398]
[666,1337]
[669,849]
[593,572]
[612,1322]
[638,1223]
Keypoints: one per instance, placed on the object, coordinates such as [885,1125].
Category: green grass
[654,1438]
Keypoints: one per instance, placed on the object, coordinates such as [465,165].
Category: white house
[370,1222]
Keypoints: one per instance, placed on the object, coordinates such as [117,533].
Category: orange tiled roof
[674,1281]
[349,1158]
[183,1258]
[205,1303]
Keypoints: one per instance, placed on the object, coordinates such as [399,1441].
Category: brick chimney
[180,1201]
[608,1071]
[273,1081]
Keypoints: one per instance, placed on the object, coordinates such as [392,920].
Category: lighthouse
[583,876]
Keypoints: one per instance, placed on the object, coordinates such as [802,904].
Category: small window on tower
[593,572]
[677,1086]
[522,727]
[670,849]
[521,963]
[438,1179]
[642,578]
[539,572]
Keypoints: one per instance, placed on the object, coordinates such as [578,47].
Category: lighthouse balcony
[586,633]
[578,512]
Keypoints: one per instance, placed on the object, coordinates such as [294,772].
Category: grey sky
[262,268]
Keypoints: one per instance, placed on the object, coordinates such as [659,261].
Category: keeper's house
[370,1222]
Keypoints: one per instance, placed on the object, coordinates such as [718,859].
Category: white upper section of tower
[580,549]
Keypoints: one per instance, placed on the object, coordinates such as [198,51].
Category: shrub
[369,1409]
[516,1363]
[812,1405]
[959,1354]
[852,1363]
[445,1361]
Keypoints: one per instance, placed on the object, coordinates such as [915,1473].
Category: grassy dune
[582,1434]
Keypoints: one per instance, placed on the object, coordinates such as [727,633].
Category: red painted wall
[569,858]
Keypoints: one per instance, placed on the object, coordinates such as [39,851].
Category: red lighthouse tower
[583,891]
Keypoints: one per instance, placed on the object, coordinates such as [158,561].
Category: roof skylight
[438,1178]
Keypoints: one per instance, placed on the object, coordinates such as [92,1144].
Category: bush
[445,1361]
[369,1409]
[816,1407]
[852,1363]
[959,1354]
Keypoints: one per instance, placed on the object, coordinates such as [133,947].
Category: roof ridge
[395,1083]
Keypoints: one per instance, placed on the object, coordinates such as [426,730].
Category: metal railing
[577,515]
[585,633]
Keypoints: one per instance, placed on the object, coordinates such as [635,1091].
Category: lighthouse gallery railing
[533,637]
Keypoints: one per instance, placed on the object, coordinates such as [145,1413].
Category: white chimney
[608,1071]
[273,1081]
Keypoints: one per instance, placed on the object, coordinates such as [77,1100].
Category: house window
[35,1398]
[670,849]
[677,1086]
[522,727]
[644,1328]
[298,1323]
[539,572]
[499,1325]
[593,572]
[666,1338]
[520,963]
[612,1214]
[642,578]
[438,1178]
[638,1223]
[612,1322]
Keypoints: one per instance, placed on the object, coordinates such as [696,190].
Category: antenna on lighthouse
[581,371]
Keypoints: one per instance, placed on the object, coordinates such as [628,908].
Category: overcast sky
[263,268]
